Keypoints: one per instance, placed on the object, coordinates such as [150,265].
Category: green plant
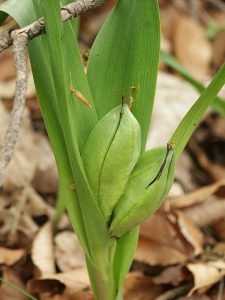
[109,184]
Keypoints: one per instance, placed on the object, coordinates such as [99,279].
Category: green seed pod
[110,155]
[147,187]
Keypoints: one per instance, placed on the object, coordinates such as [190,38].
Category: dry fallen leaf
[173,98]
[190,232]
[30,154]
[42,252]
[168,239]
[206,213]
[198,196]
[171,275]
[153,253]
[206,274]
[191,47]
[10,256]
[68,252]
[68,284]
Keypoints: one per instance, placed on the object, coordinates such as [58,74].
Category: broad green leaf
[218,104]
[187,126]
[125,53]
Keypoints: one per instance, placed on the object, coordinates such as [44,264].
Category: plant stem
[102,277]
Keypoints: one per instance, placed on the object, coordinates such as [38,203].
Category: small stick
[80,97]
[19,52]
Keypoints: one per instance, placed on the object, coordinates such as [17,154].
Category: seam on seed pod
[110,144]
[132,217]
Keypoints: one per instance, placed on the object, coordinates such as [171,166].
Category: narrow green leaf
[125,53]
[194,115]
[218,104]
[18,288]
[124,254]
[88,205]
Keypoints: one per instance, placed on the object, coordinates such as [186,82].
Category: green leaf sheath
[218,104]
[190,121]
[110,154]
[123,257]
[126,53]
[133,209]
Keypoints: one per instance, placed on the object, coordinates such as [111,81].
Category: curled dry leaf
[206,274]
[68,252]
[10,256]
[42,252]
[191,47]
[171,275]
[206,213]
[153,253]
[68,284]
[168,239]
[198,196]
[190,232]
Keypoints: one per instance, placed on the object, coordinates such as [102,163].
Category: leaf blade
[125,56]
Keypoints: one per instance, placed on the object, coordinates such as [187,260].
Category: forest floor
[181,250]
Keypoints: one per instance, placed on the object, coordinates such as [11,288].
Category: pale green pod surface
[139,200]
[110,155]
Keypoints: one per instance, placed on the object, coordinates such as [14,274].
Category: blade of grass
[191,119]
[18,288]
[218,104]
[126,53]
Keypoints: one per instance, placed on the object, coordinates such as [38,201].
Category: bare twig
[35,29]
[19,51]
